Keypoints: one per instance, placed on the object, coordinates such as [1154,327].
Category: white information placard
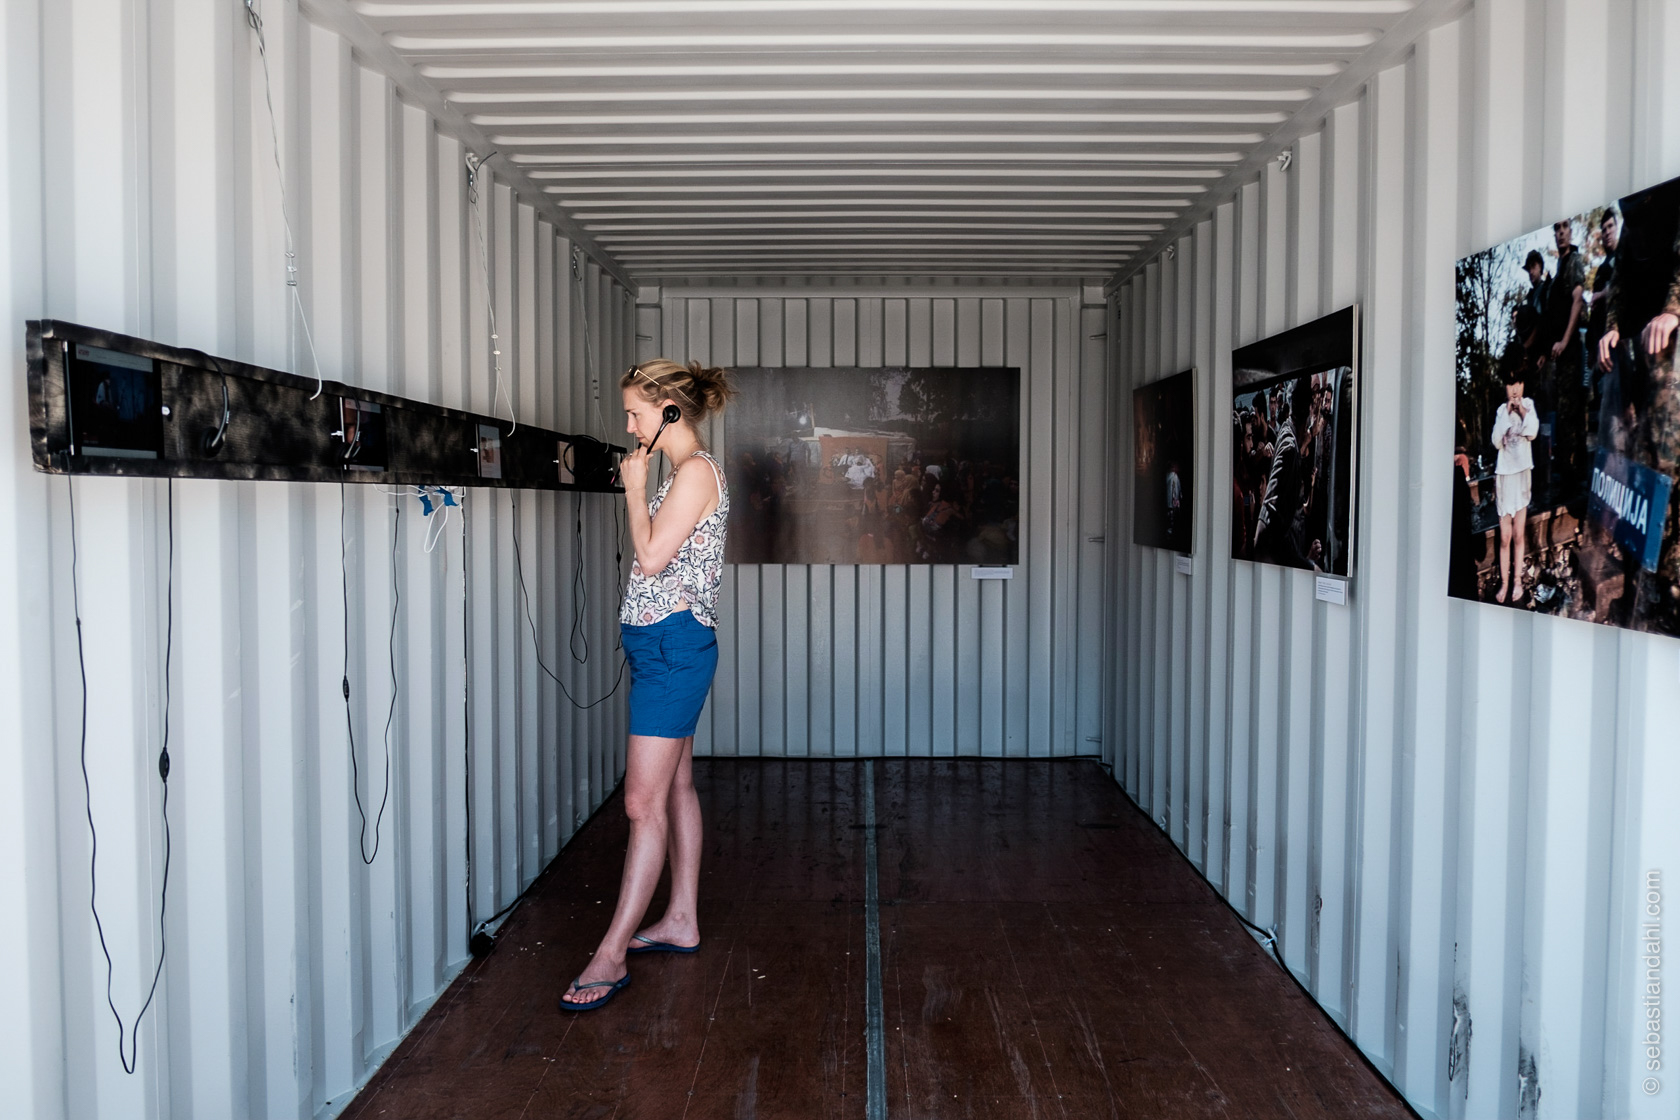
[1182,565]
[980,572]
[1329,589]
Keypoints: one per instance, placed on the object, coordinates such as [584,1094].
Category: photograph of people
[894,465]
[1163,462]
[668,619]
[1583,313]
[1293,427]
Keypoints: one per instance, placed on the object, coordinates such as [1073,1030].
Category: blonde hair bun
[699,391]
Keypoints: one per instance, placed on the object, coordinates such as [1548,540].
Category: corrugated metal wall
[139,194]
[1447,811]
[827,660]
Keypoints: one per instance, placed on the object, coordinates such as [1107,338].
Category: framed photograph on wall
[1295,433]
[1566,438]
[1164,463]
[895,465]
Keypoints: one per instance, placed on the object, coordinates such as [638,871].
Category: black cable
[580,590]
[349,723]
[621,521]
[128,1052]
[519,566]
[466,723]
[210,443]
[391,648]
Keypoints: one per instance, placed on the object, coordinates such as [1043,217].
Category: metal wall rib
[842,660]
[140,195]
[1446,811]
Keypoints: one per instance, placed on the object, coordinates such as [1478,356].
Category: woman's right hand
[633,471]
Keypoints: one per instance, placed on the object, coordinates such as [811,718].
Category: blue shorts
[671,667]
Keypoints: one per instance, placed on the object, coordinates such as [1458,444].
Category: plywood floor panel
[1046,952]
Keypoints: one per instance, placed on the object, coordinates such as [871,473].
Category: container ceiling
[926,137]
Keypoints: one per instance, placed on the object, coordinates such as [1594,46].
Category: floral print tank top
[694,573]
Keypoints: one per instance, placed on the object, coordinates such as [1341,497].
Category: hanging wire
[349,722]
[256,22]
[592,368]
[128,1038]
[531,622]
[474,164]
[580,596]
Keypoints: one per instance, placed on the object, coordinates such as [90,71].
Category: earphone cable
[580,596]
[525,595]
[128,1039]
[349,722]
[466,718]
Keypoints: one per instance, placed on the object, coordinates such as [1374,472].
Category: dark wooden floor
[1045,953]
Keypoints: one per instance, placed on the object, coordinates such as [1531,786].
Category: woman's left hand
[633,471]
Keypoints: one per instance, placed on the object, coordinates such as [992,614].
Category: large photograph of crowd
[1294,427]
[1567,441]
[874,466]
[1163,462]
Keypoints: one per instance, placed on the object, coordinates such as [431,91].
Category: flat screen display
[489,451]
[364,435]
[116,404]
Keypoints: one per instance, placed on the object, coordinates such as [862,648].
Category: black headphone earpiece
[211,441]
[670,416]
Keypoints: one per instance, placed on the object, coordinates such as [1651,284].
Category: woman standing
[668,620]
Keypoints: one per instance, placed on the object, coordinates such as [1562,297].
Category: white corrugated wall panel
[1444,811]
[139,195]
[920,660]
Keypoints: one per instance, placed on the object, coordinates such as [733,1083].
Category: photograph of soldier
[874,466]
[1163,462]
[1581,317]
[1294,425]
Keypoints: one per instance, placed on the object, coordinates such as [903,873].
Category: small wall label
[1329,589]
[1182,565]
[992,573]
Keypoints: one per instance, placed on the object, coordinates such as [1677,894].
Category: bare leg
[1519,535]
[680,925]
[650,769]
[1504,558]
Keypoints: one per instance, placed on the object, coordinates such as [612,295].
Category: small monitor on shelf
[116,404]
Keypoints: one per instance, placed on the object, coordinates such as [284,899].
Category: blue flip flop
[613,988]
[648,945]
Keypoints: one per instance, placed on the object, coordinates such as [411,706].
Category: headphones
[670,416]
[210,443]
[211,440]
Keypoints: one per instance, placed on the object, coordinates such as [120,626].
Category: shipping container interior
[312,790]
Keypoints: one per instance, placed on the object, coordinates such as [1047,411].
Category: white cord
[473,165]
[589,343]
[435,534]
[256,23]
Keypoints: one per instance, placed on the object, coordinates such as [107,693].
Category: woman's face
[1514,393]
[642,416]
